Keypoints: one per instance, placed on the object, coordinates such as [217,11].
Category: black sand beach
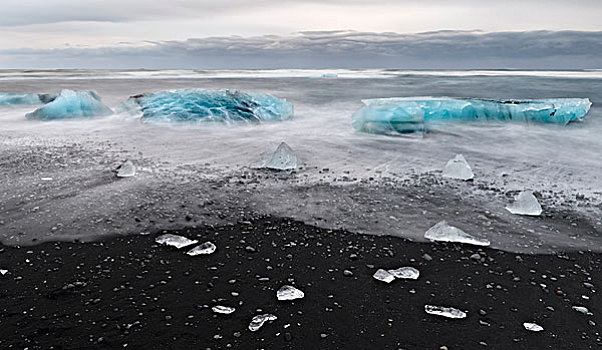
[129,292]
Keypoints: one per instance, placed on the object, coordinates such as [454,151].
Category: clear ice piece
[175,240]
[458,168]
[399,115]
[448,312]
[405,273]
[200,105]
[283,158]
[126,169]
[3,272]
[258,321]
[24,98]
[533,327]
[384,276]
[203,249]
[581,309]
[226,310]
[72,104]
[287,292]
[443,232]
[525,204]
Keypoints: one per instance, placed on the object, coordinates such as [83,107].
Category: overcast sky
[295,33]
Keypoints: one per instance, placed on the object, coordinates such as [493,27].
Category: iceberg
[405,273]
[525,204]
[72,104]
[226,310]
[24,98]
[443,232]
[448,312]
[258,321]
[126,169]
[384,276]
[400,115]
[175,240]
[458,168]
[533,327]
[200,105]
[284,158]
[203,249]
[287,292]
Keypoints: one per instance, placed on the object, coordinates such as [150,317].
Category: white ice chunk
[258,321]
[283,158]
[175,241]
[443,232]
[383,275]
[581,309]
[3,272]
[458,168]
[533,327]
[203,249]
[405,273]
[287,292]
[525,204]
[226,310]
[126,169]
[448,312]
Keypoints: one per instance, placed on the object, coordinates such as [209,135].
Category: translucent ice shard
[3,272]
[384,276]
[533,327]
[458,168]
[72,104]
[175,240]
[582,309]
[289,293]
[283,158]
[199,105]
[405,273]
[24,98]
[445,233]
[448,312]
[410,114]
[258,321]
[126,169]
[203,249]
[525,204]
[219,309]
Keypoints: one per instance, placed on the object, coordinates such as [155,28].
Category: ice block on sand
[72,104]
[24,98]
[400,115]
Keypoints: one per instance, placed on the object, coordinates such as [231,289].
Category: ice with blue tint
[200,105]
[24,98]
[401,115]
[72,104]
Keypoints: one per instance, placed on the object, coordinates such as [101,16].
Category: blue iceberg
[199,105]
[24,98]
[400,115]
[72,104]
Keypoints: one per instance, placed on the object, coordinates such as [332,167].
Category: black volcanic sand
[130,292]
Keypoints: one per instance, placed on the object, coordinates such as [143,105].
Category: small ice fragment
[330,75]
[46,179]
[533,327]
[283,158]
[383,275]
[581,309]
[3,272]
[287,292]
[405,273]
[443,232]
[458,168]
[203,249]
[448,312]
[175,241]
[525,204]
[258,321]
[219,309]
[126,169]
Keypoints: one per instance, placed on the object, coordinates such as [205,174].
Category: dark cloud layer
[336,49]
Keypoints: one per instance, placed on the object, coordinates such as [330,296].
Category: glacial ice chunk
[533,327]
[203,249]
[405,273]
[384,276]
[258,321]
[525,204]
[226,310]
[72,104]
[24,98]
[287,292]
[458,168]
[199,105]
[3,272]
[284,158]
[582,309]
[443,232]
[126,169]
[175,240]
[399,115]
[448,312]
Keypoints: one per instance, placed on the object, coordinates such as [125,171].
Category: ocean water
[563,163]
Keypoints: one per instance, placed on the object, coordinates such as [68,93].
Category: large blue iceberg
[400,115]
[72,104]
[24,98]
[199,105]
